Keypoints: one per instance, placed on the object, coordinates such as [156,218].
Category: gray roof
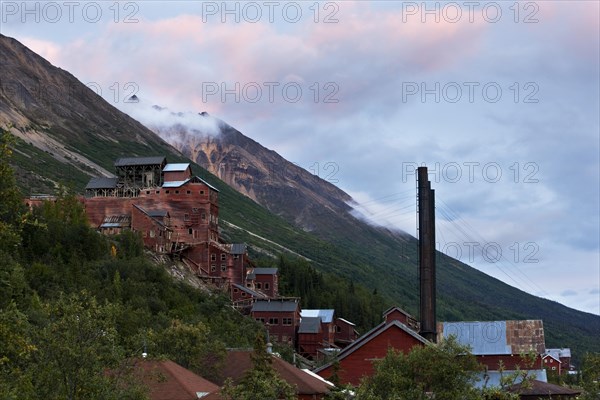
[176,167]
[275,305]
[265,271]
[251,292]
[157,213]
[557,353]
[102,183]
[238,248]
[497,337]
[310,325]
[193,179]
[174,184]
[131,161]
[326,316]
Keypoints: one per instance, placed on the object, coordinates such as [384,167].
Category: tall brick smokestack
[426,208]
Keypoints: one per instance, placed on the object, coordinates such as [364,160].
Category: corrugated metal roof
[310,325]
[174,184]
[497,337]
[275,305]
[326,316]
[265,271]
[176,167]
[557,353]
[238,248]
[157,213]
[251,292]
[131,161]
[102,183]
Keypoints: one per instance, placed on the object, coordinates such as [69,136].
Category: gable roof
[310,325]
[539,388]
[251,292]
[326,316]
[102,183]
[367,337]
[497,337]
[193,179]
[275,305]
[132,161]
[176,167]
[566,352]
[551,356]
[238,248]
[167,380]
[264,271]
[238,361]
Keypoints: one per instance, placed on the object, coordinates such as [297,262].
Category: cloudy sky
[499,99]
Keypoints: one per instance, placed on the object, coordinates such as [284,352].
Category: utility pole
[427,285]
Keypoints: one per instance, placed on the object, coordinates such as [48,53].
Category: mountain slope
[78,134]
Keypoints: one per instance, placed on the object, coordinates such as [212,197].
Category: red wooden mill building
[176,213]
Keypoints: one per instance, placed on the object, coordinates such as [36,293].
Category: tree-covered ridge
[75,304]
[322,290]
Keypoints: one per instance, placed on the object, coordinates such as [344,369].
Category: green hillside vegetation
[368,256]
[74,303]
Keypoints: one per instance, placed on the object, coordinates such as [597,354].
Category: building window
[195,210]
[258,285]
[213,268]
[236,256]
[188,192]
[158,192]
[235,290]
[167,191]
[262,320]
[267,286]
[553,368]
[213,257]
[273,321]
[147,192]
[152,234]
[177,192]
[286,321]
[203,216]
[144,234]
[284,338]
[243,294]
[223,267]
[223,256]
[186,217]
[190,231]
[202,192]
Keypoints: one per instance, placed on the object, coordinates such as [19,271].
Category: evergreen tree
[261,382]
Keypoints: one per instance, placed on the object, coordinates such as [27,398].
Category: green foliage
[192,347]
[590,376]
[442,371]
[261,382]
[298,278]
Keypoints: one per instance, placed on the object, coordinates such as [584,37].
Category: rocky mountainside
[66,133]
[62,120]
[259,173]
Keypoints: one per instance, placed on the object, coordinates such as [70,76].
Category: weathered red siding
[360,362]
